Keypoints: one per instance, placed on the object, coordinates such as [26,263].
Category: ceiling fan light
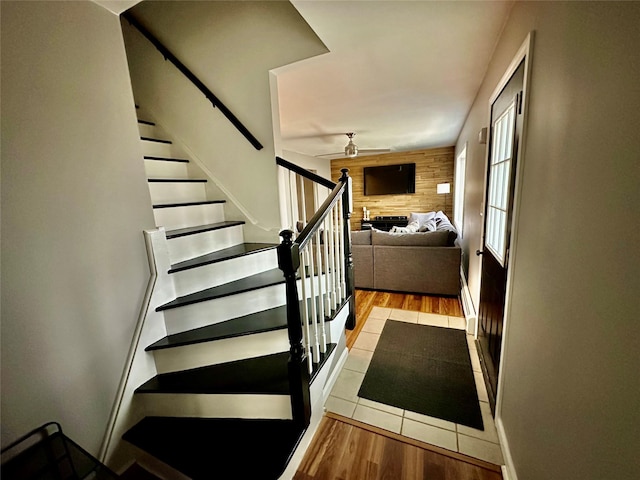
[351,150]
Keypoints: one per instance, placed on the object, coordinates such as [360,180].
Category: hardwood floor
[367,299]
[343,451]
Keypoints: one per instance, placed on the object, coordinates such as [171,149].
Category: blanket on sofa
[426,222]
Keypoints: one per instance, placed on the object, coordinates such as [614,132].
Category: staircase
[220,405]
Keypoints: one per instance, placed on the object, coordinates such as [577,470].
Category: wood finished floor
[367,299]
[342,451]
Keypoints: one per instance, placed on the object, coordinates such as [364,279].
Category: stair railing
[319,260]
[215,101]
[294,186]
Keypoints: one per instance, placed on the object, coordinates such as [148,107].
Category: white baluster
[332,258]
[314,313]
[338,263]
[323,337]
[343,283]
[327,267]
[305,314]
[303,200]
[294,201]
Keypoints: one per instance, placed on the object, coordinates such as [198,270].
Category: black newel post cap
[288,258]
[287,236]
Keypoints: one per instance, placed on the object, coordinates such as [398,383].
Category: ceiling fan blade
[361,151]
[373,150]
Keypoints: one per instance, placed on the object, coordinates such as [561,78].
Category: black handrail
[315,223]
[303,172]
[215,101]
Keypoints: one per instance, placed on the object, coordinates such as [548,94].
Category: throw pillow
[429,226]
[421,218]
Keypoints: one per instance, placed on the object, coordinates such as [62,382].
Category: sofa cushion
[434,270]
[423,239]
[362,265]
[361,237]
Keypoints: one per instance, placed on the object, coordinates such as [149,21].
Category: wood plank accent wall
[433,166]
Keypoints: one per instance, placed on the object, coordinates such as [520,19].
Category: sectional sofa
[420,262]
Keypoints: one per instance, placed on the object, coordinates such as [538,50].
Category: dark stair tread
[176,180]
[258,322]
[137,472]
[253,282]
[264,375]
[188,204]
[221,255]
[157,140]
[146,122]
[267,374]
[206,448]
[166,159]
[182,232]
[263,321]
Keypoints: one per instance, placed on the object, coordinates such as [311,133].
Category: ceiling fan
[351,150]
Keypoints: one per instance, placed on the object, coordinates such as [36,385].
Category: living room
[567,408]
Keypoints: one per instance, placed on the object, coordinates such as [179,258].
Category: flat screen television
[390,179]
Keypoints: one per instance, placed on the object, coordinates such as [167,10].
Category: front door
[506,127]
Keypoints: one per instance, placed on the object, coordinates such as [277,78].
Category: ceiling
[117,6]
[402,75]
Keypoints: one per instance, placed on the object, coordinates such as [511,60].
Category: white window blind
[499,180]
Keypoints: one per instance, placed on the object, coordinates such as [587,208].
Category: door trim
[524,53]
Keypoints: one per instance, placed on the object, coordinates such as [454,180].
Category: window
[499,179]
[458,191]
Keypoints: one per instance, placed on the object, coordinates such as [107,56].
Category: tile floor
[344,399]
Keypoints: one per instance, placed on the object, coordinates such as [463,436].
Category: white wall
[231,47]
[318,165]
[74,204]
[571,390]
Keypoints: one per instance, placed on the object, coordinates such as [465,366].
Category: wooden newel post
[348,257]
[299,378]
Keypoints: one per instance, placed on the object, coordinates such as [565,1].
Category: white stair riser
[191,246]
[221,351]
[217,405]
[159,149]
[215,311]
[164,169]
[189,216]
[151,131]
[177,192]
[212,275]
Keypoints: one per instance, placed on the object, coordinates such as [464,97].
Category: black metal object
[303,172]
[46,453]
[348,257]
[215,101]
[299,377]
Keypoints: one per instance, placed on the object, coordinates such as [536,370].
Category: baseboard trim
[467,306]
[333,376]
[508,469]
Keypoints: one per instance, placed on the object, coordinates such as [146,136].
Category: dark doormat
[426,370]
